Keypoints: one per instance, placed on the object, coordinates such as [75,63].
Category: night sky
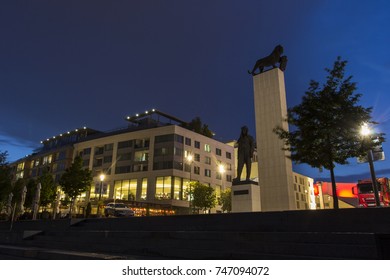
[69,64]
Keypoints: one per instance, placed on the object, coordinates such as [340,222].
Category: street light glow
[365,130]
[189,158]
[102,176]
[221,168]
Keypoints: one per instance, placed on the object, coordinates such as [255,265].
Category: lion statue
[271,60]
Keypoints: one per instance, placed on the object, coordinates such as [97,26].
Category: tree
[30,195]
[326,125]
[88,210]
[18,189]
[203,196]
[197,126]
[75,180]
[226,200]
[5,179]
[48,188]
[3,158]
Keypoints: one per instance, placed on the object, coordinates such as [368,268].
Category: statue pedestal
[246,197]
[275,167]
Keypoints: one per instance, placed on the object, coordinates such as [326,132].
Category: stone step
[341,220]
[328,234]
[250,237]
[330,220]
[336,245]
[37,253]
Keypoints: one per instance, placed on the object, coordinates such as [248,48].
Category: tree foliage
[17,190]
[31,189]
[203,196]
[326,125]
[76,179]
[3,158]
[226,200]
[5,178]
[197,126]
[48,188]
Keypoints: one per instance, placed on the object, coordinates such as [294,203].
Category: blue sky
[69,64]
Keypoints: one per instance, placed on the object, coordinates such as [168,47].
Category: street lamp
[365,131]
[190,159]
[221,169]
[102,176]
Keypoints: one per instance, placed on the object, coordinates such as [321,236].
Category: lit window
[141,156]
[144,188]
[163,187]
[20,166]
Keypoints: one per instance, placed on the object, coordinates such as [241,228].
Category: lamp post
[102,176]
[365,131]
[190,159]
[221,169]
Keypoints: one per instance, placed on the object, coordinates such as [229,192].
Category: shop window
[144,189]
[163,187]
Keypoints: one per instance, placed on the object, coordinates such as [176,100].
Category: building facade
[305,196]
[148,165]
[151,166]
[55,155]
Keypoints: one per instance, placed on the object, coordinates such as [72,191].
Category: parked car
[118,210]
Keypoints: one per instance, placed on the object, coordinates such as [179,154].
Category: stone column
[275,169]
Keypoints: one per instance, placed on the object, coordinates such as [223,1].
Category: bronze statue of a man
[246,147]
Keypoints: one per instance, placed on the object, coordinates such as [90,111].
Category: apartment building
[151,165]
[55,155]
[148,164]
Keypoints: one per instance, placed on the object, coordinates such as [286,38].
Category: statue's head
[244,130]
[278,49]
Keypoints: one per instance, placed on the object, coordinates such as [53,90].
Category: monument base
[246,197]
[275,165]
